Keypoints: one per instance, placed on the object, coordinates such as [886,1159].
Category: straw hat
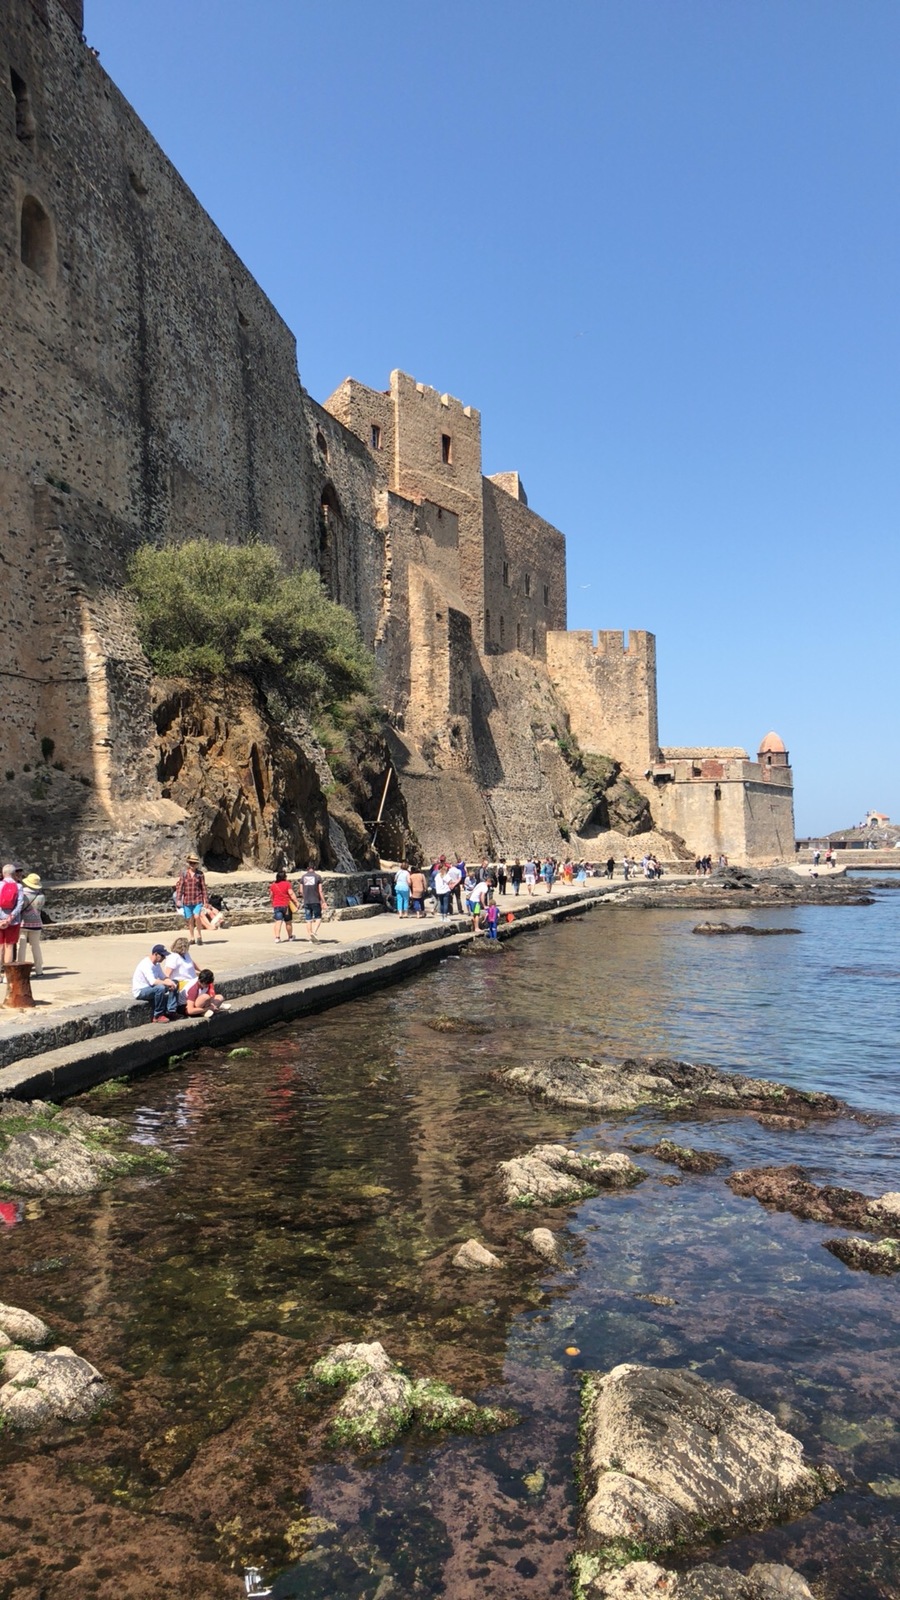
[32,881]
[192,859]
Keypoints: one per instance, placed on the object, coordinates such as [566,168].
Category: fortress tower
[609,691]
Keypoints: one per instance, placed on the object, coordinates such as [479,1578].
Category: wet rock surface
[475,1257]
[380,1402]
[644,1580]
[595,1084]
[43,1386]
[742,927]
[49,1386]
[553,1174]
[867,1255]
[790,1189]
[45,1151]
[544,1243]
[669,1459]
[684,1156]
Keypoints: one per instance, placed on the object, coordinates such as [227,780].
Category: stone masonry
[149,390]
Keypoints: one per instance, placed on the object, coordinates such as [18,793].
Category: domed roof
[772,745]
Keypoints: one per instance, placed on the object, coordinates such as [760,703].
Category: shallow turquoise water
[321,1177]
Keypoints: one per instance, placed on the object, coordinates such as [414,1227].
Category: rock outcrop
[45,1150]
[49,1386]
[742,927]
[644,1580]
[554,1175]
[683,1156]
[42,1386]
[380,1401]
[669,1459]
[544,1243]
[608,1086]
[473,1257]
[789,1189]
[867,1255]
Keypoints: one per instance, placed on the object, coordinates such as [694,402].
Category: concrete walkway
[61,1047]
[100,967]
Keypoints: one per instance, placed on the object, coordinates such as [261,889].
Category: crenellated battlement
[609,690]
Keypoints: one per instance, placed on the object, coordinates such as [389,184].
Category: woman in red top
[283,906]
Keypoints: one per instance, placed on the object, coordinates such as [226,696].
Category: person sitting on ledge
[151,983]
[202,998]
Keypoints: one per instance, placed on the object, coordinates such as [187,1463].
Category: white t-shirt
[453,877]
[146,973]
[401,879]
[181,968]
[440,883]
[477,894]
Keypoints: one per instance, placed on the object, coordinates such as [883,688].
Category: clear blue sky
[656,243]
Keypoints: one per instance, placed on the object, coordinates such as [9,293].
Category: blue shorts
[192,911]
[283,914]
[401,896]
[312,913]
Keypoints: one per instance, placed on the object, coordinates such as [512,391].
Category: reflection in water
[320,1180]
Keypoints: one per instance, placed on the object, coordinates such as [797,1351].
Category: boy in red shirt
[202,999]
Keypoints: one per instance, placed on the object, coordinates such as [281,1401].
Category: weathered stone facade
[149,390]
[722,803]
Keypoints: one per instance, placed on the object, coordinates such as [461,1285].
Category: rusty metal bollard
[18,985]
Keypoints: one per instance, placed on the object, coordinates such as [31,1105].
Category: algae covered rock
[644,1580]
[867,1255]
[668,1457]
[47,1151]
[474,1257]
[49,1386]
[686,1158]
[380,1401]
[553,1174]
[886,1209]
[598,1084]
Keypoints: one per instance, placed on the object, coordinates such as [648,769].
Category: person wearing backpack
[11,896]
[32,923]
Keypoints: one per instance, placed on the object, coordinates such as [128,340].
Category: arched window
[322,444]
[36,242]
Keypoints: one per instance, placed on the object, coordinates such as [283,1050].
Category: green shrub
[209,610]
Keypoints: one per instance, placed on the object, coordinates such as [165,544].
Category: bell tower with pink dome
[772,752]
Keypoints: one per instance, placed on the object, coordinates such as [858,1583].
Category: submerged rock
[473,1257]
[684,1157]
[867,1255]
[789,1189]
[381,1401]
[44,1150]
[552,1174]
[667,1458]
[644,1580]
[545,1243]
[742,927]
[608,1086]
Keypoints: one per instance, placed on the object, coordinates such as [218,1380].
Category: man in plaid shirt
[190,897]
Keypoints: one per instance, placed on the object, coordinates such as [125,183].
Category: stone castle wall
[149,390]
[609,689]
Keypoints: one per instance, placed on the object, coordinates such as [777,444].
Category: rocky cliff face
[268,793]
[252,794]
